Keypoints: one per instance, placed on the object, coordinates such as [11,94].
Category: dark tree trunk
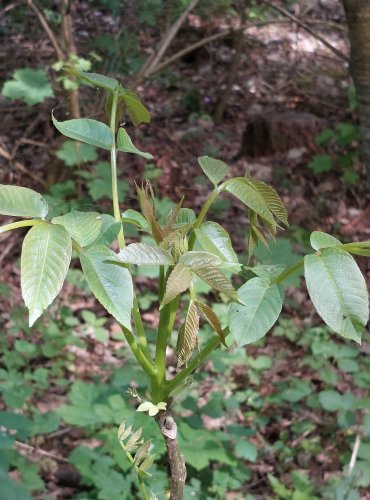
[358,20]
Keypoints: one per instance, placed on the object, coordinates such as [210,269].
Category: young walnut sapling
[184,246]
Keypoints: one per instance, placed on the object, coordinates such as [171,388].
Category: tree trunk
[176,461]
[358,20]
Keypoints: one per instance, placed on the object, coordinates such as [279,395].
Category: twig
[9,7]
[352,462]
[170,34]
[57,48]
[306,28]
[22,168]
[168,429]
[39,451]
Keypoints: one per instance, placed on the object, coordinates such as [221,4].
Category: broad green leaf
[338,291]
[216,240]
[213,320]
[111,285]
[184,217]
[142,253]
[188,336]
[45,259]
[84,227]
[21,202]
[214,169]
[267,272]
[262,308]
[135,108]
[95,79]
[319,240]
[30,85]
[216,279]
[86,130]
[125,145]
[11,489]
[331,400]
[200,259]
[178,281]
[242,189]
[131,216]
[272,200]
[109,230]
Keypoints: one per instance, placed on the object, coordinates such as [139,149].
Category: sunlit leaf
[200,259]
[125,145]
[86,130]
[318,240]
[45,259]
[214,169]
[216,240]
[84,227]
[142,253]
[111,285]
[261,309]
[338,291]
[21,202]
[178,281]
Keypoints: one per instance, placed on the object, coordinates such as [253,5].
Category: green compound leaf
[125,145]
[242,189]
[21,202]
[178,281]
[320,240]
[46,255]
[272,200]
[135,108]
[84,227]
[338,291]
[30,85]
[216,240]
[262,308]
[109,230]
[86,130]
[213,320]
[111,285]
[94,79]
[188,336]
[142,253]
[214,169]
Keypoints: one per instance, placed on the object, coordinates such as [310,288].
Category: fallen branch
[170,34]
[39,451]
[306,28]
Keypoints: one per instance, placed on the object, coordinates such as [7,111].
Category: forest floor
[287,90]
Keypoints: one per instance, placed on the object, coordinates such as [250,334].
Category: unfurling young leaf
[46,255]
[135,108]
[216,279]
[188,336]
[148,210]
[22,202]
[213,320]
[178,281]
[94,79]
[272,200]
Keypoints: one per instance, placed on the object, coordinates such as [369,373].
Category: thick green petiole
[20,223]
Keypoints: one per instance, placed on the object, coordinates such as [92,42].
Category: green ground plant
[185,250]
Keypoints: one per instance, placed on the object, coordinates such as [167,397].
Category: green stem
[285,274]
[144,362]
[139,327]
[162,284]
[210,200]
[139,475]
[166,321]
[113,159]
[20,223]
[179,379]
